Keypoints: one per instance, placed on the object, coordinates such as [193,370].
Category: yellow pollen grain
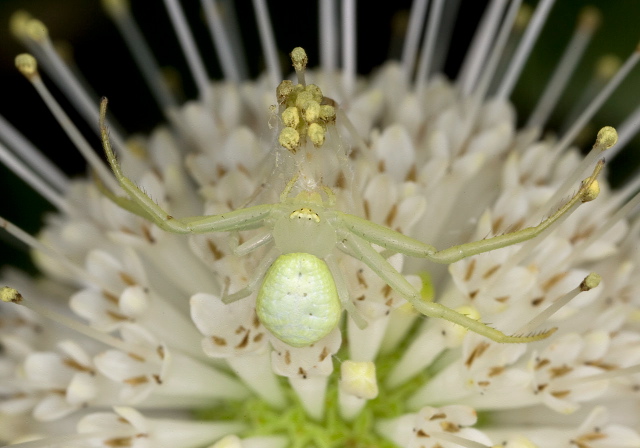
[316,134]
[8,294]
[591,281]
[18,23]
[27,65]
[328,113]
[607,66]
[302,98]
[37,30]
[315,91]
[289,138]
[291,117]
[283,90]
[116,8]
[592,192]
[311,111]
[607,137]
[299,58]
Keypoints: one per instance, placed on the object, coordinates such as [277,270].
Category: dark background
[101,55]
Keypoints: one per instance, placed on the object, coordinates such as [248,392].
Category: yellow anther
[607,66]
[591,192]
[302,98]
[306,110]
[283,90]
[18,23]
[315,91]
[316,134]
[305,213]
[523,17]
[299,59]
[27,65]
[607,137]
[291,117]
[590,18]
[37,30]
[311,111]
[115,8]
[289,138]
[8,294]
[591,281]
[327,113]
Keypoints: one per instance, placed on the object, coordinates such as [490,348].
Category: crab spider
[303,292]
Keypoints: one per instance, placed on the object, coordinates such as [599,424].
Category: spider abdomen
[298,301]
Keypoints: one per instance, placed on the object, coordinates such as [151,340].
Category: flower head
[289,307]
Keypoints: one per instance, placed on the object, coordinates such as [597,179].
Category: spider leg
[141,204]
[252,244]
[394,241]
[363,251]
[343,292]
[256,276]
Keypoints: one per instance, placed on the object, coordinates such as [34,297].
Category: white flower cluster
[148,355]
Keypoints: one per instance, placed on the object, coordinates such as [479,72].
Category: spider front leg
[396,242]
[362,250]
[142,205]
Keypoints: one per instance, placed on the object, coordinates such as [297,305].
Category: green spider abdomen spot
[298,301]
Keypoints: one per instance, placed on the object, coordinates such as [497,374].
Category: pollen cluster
[303,109]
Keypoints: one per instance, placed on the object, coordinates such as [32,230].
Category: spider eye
[305,213]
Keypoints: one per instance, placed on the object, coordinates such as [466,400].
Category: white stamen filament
[268,41]
[626,131]
[604,69]
[349,46]
[411,38]
[627,190]
[35,244]
[587,24]
[83,329]
[480,46]
[36,181]
[28,66]
[190,50]
[556,305]
[443,41]
[74,134]
[67,82]
[620,214]
[221,42]
[428,45]
[597,102]
[120,12]
[32,156]
[328,33]
[609,375]
[524,48]
[491,66]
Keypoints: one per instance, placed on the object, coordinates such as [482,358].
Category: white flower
[127,340]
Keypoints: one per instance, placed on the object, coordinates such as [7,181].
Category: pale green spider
[303,291]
